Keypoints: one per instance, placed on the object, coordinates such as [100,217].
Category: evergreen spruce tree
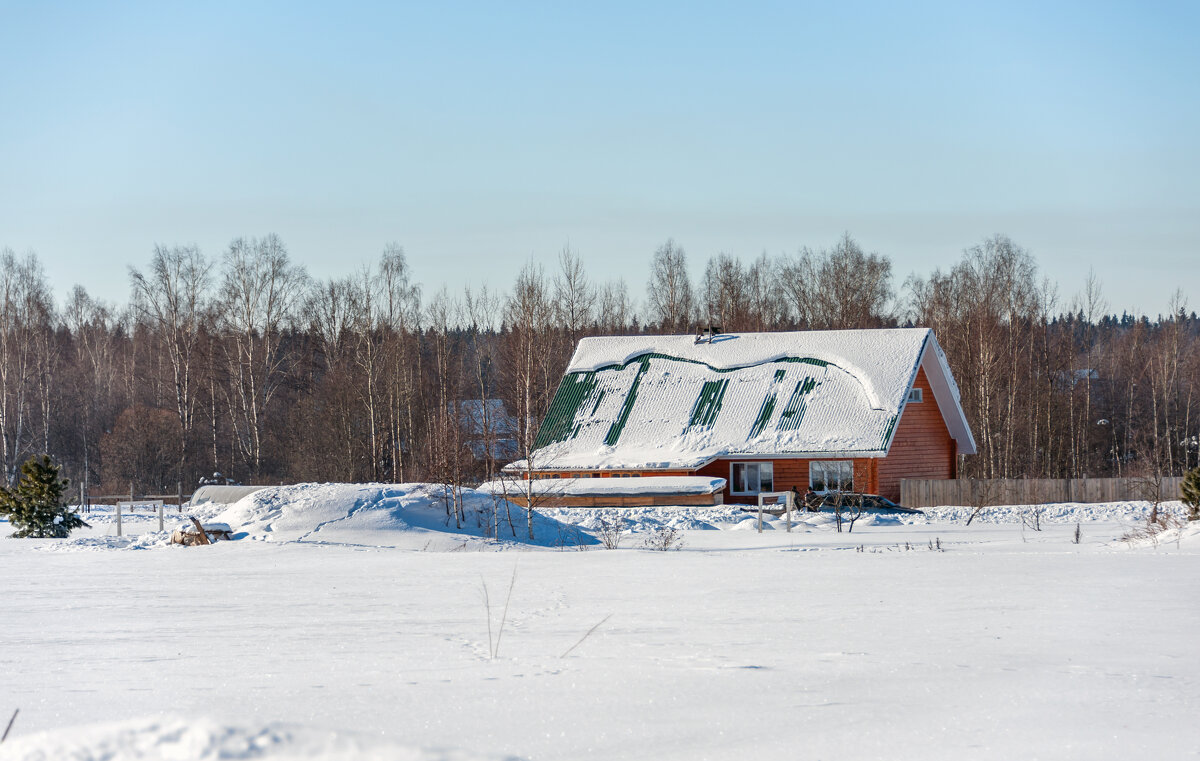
[1191,493]
[35,508]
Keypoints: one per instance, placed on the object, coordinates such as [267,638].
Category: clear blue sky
[481,135]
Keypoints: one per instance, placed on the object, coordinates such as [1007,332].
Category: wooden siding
[922,447]
[1031,491]
[788,473]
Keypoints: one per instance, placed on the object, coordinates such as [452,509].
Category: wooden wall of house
[922,447]
[786,473]
[789,472]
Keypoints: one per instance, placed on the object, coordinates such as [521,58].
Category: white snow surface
[608,487]
[1065,512]
[883,361]
[200,739]
[1007,643]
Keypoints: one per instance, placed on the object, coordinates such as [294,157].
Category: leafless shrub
[984,493]
[571,538]
[854,511]
[663,539]
[494,644]
[1148,485]
[611,531]
[1156,525]
[1031,517]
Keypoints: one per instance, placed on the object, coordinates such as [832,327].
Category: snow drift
[412,516]
[200,740]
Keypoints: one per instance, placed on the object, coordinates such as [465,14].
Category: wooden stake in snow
[9,727]
[585,636]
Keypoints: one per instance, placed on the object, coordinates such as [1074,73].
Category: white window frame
[824,466]
[916,396]
[758,466]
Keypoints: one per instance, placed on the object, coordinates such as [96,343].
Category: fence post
[180,502]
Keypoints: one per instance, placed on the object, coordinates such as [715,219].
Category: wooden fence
[922,492]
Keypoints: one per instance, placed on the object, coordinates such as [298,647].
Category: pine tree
[35,508]
[1191,493]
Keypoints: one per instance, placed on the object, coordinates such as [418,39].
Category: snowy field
[350,622]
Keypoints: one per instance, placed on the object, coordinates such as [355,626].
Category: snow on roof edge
[602,487]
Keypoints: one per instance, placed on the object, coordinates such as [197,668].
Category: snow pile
[649,519]
[1065,512]
[608,487]
[412,516]
[205,740]
[146,541]
[1172,529]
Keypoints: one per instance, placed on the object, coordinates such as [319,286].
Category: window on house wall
[831,475]
[751,477]
[915,396]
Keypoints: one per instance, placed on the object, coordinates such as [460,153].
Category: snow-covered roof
[658,402]
[608,487]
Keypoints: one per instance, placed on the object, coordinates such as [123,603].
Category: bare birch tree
[574,295]
[261,288]
[529,315]
[25,311]
[172,297]
[669,292]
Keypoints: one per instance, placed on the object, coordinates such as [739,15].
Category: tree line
[244,365]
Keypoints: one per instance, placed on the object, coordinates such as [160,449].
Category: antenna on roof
[708,334]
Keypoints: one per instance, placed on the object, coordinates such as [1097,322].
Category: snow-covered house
[855,409]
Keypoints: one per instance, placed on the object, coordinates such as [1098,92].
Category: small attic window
[915,396]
